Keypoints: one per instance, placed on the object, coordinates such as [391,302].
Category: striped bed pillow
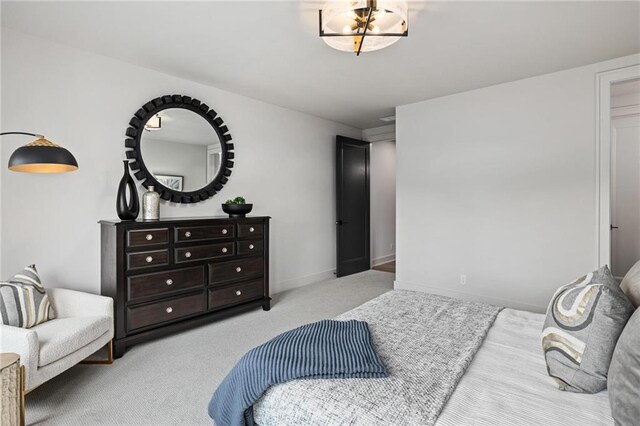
[23,300]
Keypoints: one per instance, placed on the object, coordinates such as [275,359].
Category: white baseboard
[406,285]
[383,259]
[302,281]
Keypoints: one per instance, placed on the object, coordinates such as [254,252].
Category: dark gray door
[352,217]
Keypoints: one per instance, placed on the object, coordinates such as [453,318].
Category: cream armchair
[83,325]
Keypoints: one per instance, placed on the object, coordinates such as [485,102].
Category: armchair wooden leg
[22,393]
[109,359]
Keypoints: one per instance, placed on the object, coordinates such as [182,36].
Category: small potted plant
[237,207]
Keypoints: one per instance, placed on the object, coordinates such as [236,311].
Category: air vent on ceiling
[389,119]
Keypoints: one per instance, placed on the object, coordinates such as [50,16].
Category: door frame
[604,81]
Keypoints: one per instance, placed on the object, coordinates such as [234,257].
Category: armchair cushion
[64,336]
[24,301]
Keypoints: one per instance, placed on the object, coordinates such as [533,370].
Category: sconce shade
[42,156]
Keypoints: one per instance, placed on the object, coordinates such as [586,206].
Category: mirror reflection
[181,150]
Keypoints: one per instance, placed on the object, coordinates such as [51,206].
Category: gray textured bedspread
[425,341]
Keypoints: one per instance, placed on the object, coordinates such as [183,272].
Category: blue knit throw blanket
[326,349]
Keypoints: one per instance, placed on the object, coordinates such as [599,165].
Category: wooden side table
[12,390]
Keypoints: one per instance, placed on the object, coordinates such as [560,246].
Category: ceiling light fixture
[154,123]
[363,25]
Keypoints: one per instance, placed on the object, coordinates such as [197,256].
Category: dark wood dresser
[169,275]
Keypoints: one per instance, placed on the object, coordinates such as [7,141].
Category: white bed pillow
[631,284]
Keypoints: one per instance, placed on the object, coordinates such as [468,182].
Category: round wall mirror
[181,148]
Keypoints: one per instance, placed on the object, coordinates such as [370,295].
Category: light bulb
[351,14]
[375,29]
[346,29]
[380,13]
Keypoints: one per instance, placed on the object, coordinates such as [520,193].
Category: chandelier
[363,25]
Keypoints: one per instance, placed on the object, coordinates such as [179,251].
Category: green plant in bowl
[237,207]
[237,200]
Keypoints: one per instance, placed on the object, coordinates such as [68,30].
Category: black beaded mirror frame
[136,130]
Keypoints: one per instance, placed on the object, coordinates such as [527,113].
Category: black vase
[127,210]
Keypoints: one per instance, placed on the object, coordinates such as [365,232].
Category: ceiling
[271,50]
[631,87]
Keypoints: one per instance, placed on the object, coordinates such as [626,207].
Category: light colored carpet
[169,381]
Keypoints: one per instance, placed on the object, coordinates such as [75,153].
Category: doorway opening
[618,185]
[383,196]
[625,176]
[352,206]
[366,201]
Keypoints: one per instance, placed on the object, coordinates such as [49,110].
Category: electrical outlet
[391,246]
[463,279]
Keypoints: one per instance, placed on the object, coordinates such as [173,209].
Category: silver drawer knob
[149,259]
[187,234]
[149,237]
[251,229]
[187,254]
[169,309]
[224,231]
[169,281]
[238,293]
[238,269]
[224,249]
[251,246]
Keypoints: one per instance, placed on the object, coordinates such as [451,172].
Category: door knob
[614,227]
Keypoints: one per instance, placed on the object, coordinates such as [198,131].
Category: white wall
[500,184]
[383,192]
[2,129]
[630,99]
[284,164]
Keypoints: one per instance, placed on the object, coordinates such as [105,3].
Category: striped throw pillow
[24,301]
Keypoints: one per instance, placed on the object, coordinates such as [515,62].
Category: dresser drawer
[250,230]
[145,259]
[147,285]
[147,237]
[167,310]
[201,233]
[235,270]
[235,294]
[209,251]
[249,247]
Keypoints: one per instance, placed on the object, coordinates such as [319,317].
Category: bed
[501,380]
